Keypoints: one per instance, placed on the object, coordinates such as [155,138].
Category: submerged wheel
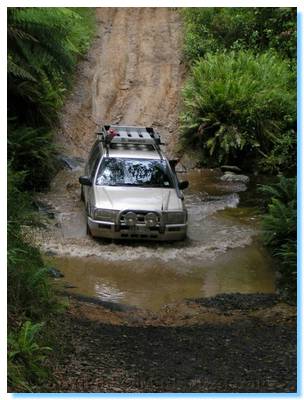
[81,194]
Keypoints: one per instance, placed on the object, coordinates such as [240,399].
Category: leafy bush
[283,155]
[281,221]
[44,44]
[85,29]
[234,28]
[30,294]
[39,55]
[280,227]
[32,151]
[26,357]
[237,105]
[29,289]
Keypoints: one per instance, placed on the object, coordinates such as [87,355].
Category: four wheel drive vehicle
[130,189]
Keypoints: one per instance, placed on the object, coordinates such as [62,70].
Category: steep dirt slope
[132,75]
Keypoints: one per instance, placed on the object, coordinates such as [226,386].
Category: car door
[90,171]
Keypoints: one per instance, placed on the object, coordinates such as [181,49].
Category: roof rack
[135,135]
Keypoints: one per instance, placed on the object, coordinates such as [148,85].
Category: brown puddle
[151,284]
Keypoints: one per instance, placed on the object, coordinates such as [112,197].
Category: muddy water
[221,254]
[151,285]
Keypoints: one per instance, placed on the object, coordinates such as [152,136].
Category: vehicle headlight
[178,217]
[101,214]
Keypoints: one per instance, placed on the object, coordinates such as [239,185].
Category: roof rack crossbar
[133,135]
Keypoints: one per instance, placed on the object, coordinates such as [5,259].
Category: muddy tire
[81,194]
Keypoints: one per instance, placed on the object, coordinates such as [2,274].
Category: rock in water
[231,168]
[188,162]
[55,273]
[232,177]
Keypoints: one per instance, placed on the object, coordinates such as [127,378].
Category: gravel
[250,354]
[237,301]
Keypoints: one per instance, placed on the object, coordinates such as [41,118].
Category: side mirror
[183,185]
[173,163]
[85,180]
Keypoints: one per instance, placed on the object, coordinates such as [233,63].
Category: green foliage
[280,223]
[85,30]
[257,29]
[240,98]
[26,357]
[18,202]
[29,290]
[39,44]
[280,226]
[44,44]
[287,253]
[32,150]
[282,156]
[238,105]
[30,294]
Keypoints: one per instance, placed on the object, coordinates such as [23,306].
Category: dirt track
[132,75]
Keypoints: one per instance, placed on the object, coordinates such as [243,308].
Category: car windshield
[134,172]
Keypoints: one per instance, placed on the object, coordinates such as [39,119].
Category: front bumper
[113,231]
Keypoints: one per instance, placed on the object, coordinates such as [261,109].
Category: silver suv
[130,189]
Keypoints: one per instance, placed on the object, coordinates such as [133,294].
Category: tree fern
[43,44]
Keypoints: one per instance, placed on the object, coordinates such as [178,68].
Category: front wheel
[88,230]
[81,194]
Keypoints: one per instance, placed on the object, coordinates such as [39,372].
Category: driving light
[130,218]
[151,219]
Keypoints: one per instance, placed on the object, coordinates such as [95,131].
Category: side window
[94,156]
